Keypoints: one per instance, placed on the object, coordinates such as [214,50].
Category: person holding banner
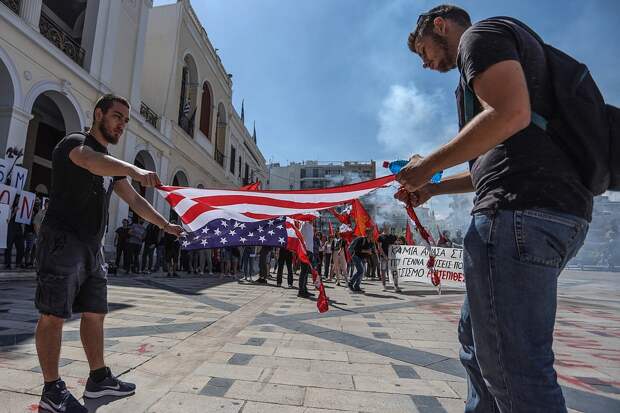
[531,210]
[71,270]
[15,238]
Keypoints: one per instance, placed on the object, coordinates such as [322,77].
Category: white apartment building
[58,56]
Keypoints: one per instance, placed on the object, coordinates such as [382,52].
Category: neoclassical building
[58,56]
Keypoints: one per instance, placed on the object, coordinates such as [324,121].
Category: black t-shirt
[527,170]
[386,240]
[79,199]
[122,234]
[152,234]
[359,244]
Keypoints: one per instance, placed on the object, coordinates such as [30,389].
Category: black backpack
[582,124]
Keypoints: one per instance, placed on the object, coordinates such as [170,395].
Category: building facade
[58,56]
[315,174]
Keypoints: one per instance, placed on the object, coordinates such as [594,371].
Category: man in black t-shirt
[120,241]
[71,271]
[386,239]
[360,248]
[531,210]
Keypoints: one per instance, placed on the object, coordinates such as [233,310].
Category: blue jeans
[356,280]
[512,260]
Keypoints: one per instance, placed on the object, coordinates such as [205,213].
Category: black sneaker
[110,386]
[59,400]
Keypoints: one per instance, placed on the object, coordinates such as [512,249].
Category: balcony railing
[12,4]
[219,157]
[62,40]
[187,124]
[149,115]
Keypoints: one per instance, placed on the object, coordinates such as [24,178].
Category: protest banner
[5,213]
[25,207]
[18,178]
[5,165]
[409,263]
[7,195]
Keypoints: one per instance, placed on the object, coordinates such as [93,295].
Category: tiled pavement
[200,345]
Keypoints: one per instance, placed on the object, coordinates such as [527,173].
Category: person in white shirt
[307,231]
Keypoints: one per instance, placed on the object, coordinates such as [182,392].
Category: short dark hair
[106,101]
[425,25]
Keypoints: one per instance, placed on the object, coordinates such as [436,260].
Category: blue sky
[334,80]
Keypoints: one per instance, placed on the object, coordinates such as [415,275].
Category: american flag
[197,207]
[217,209]
[221,233]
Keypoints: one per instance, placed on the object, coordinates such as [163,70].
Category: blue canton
[221,233]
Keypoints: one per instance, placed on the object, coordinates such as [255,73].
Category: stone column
[30,11]
[13,128]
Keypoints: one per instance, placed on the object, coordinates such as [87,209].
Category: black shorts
[71,275]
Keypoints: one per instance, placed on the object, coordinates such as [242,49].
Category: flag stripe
[197,206]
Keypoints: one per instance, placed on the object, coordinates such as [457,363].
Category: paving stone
[374,324]
[217,387]
[267,392]
[359,401]
[428,404]
[404,386]
[255,341]
[19,380]
[274,362]
[358,369]
[312,379]
[61,363]
[229,371]
[405,372]
[257,407]
[190,403]
[380,335]
[239,348]
[311,354]
[240,359]
[13,402]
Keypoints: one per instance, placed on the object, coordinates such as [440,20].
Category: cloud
[411,121]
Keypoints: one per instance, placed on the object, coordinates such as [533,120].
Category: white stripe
[306,198]
[185,204]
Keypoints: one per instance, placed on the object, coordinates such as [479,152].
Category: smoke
[411,121]
[344,179]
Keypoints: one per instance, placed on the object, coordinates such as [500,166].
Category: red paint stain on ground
[576,382]
[144,348]
[82,382]
[33,408]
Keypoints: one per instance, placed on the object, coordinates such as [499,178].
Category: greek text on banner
[409,263]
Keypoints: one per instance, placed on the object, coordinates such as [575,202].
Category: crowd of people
[142,250]
[22,238]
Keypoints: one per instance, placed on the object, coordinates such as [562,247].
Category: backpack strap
[468,107]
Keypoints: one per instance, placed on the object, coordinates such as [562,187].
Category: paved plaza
[205,345]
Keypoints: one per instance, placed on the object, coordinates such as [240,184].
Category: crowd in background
[144,250]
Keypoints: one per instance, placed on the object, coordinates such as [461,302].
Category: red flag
[375,232]
[344,218]
[409,235]
[331,230]
[255,186]
[295,244]
[361,217]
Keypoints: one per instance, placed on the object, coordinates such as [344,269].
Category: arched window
[205,111]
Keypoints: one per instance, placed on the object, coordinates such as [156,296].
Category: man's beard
[107,135]
[447,63]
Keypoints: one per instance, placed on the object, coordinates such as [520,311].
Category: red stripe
[173,199]
[359,186]
[225,200]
